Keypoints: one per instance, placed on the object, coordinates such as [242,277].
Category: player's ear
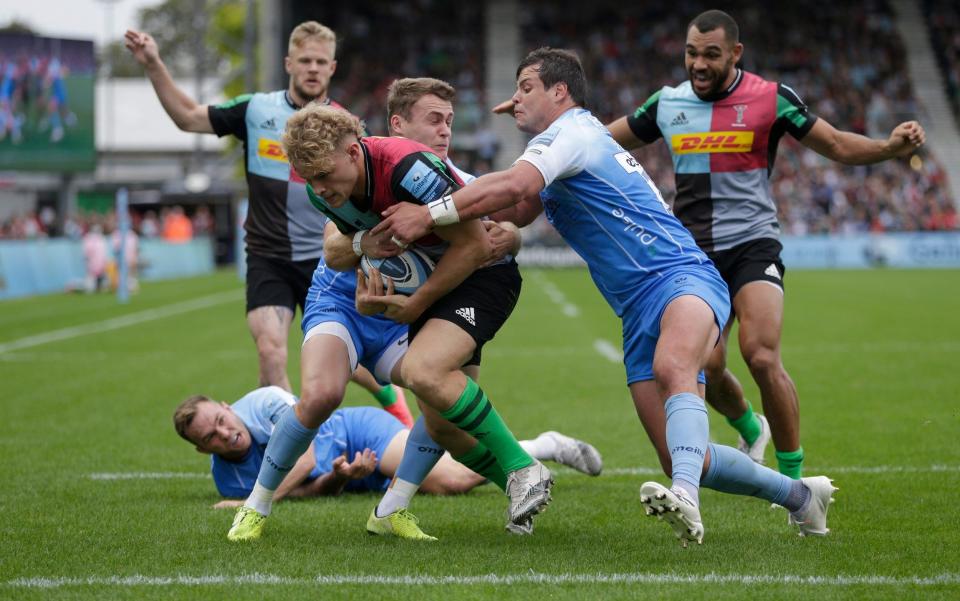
[395,125]
[287,64]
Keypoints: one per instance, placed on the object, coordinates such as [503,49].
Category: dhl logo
[714,141]
[271,149]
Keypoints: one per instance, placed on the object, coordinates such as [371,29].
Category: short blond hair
[311,30]
[185,412]
[313,134]
[404,93]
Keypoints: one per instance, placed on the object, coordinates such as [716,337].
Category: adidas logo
[467,314]
[270,123]
[680,119]
[772,271]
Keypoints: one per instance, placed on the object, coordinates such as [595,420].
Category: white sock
[260,500]
[543,448]
[397,497]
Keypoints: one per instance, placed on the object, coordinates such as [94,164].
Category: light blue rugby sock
[734,472]
[687,436]
[420,454]
[289,441]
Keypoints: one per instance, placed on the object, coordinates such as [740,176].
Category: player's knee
[671,372]
[762,360]
[716,365]
[321,399]
[271,351]
[420,378]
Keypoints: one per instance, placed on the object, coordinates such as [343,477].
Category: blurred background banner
[46,103]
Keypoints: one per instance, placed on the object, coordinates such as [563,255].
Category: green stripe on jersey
[646,105]
[235,101]
[787,109]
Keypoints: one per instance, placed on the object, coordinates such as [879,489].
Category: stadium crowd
[171,224]
[844,60]
[943,20]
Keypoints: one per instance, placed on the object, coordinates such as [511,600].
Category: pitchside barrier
[53,265]
[866,251]
[29,267]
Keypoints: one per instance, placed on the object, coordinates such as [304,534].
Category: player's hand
[401,308]
[504,108]
[142,46]
[906,138]
[405,222]
[228,504]
[370,292]
[362,465]
[503,239]
[379,246]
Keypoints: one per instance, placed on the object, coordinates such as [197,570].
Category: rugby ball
[408,270]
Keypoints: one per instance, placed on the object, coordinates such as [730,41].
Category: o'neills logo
[714,141]
[270,149]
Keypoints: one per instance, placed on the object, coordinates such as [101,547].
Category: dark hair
[712,19]
[558,65]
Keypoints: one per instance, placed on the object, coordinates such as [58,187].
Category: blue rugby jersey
[603,203]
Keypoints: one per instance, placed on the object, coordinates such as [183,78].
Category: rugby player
[284,234]
[672,302]
[722,127]
[356,450]
[459,307]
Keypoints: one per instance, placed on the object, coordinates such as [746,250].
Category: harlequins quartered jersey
[398,170]
[280,221]
[723,152]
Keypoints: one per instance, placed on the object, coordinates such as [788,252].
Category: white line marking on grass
[121,322]
[608,351]
[494,579]
[615,471]
[554,294]
[147,475]
[850,469]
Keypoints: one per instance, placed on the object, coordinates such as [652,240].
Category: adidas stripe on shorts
[756,260]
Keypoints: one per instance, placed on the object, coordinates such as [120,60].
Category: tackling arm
[485,195]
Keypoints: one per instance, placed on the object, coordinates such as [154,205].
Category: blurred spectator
[149,225]
[96,255]
[177,227]
[943,20]
[202,221]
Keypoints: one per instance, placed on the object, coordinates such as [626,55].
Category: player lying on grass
[356,450]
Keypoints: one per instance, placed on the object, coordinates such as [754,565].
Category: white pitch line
[121,322]
[850,469]
[614,471]
[492,579]
[554,294]
[609,351]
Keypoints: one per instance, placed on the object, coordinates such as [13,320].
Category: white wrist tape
[443,211]
[356,243]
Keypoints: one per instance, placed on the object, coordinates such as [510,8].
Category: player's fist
[906,137]
[142,46]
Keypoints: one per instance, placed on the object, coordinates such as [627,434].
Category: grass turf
[873,353]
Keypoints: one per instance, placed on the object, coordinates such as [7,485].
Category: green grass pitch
[874,354]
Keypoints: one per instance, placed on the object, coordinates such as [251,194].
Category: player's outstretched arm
[184,110]
[853,149]
[484,196]
[342,471]
[340,250]
[624,136]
